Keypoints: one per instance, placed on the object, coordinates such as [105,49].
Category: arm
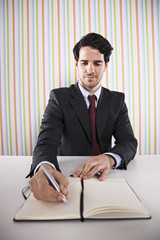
[50,135]
[46,151]
[125,143]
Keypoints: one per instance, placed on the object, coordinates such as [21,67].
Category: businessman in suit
[67,127]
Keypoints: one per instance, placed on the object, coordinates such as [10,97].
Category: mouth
[90,76]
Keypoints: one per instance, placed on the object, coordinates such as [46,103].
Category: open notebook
[88,199]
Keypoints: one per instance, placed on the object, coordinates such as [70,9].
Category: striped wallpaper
[36,42]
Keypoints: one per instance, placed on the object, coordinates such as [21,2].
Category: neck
[92,90]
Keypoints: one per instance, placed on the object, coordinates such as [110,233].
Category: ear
[106,66]
[76,63]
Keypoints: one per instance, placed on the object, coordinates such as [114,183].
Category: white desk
[143,175]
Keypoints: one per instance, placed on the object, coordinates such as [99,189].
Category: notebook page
[113,195]
[34,209]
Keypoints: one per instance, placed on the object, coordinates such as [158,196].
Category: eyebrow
[99,61]
[96,61]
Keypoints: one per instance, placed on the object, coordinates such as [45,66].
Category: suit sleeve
[125,142]
[50,134]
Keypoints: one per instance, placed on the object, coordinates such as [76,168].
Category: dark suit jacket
[65,128]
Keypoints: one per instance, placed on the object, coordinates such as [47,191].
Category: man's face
[90,66]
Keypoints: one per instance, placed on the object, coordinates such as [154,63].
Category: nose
[90,68]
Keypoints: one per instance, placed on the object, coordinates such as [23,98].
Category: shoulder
[113,94]
[64,94]
[63,91]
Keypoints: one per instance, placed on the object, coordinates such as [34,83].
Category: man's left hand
[101,163]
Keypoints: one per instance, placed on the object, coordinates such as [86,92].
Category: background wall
[36,42]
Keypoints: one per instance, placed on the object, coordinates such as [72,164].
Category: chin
[92,85]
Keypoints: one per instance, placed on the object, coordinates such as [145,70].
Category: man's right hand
[42,189]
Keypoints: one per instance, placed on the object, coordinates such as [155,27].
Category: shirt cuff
[116,157]
[51,164]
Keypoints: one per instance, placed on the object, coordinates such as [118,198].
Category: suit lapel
[78,103]
[102,111]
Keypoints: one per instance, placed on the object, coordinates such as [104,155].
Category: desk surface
[142,175]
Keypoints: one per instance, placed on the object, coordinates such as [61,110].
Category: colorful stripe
[68,33]
[37,48]
[95,15]
[105,19]
[59,51]
[80,18]
[48,43]
[122,50]
[89,17]
[111,84]
[8,80]
[144,67]
[28,71]
[74,31]
[1,124]
[132,64]
[105,35]
[53,60]
[14,78]
[5,79]
[157,10]
[84,19]
[20,83]
[115,37]
[154,79]
[23,80]
[43,56]
[148,76]
[35,117]
[36,42]
[99,18]
[128,62]
[139,82]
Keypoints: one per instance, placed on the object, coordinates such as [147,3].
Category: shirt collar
[85,93]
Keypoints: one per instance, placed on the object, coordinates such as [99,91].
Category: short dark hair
[96,41]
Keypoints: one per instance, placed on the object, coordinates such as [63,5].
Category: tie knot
[92,98]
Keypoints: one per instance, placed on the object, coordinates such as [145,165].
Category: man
[68,129]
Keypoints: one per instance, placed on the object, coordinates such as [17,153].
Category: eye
[84,63]
[98,63]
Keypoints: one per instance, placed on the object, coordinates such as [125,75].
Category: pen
[53,182]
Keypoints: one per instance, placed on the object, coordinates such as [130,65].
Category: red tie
[92,114]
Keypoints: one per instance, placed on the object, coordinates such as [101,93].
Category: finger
[104,174]
[63,183]
[91,168]
[42,189]
[61,180]
[34,187]
[84,168]
[92,172]
[46,192]
[79,171]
